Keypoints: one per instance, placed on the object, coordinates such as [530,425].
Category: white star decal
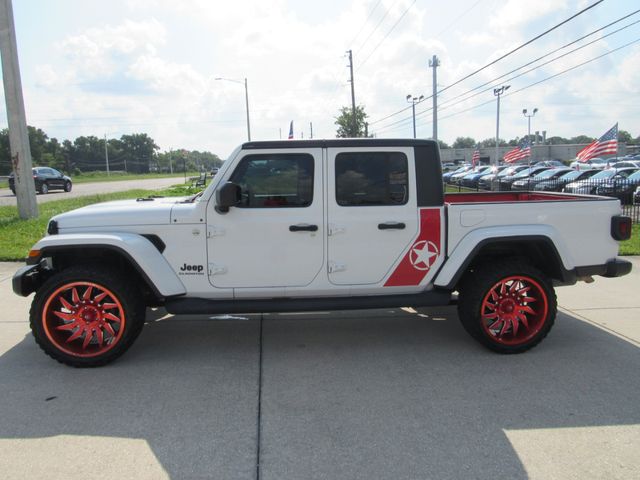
[423,255]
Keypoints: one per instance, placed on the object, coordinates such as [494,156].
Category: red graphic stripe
[405,273]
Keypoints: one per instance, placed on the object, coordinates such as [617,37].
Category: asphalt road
[398,394]
[83,189]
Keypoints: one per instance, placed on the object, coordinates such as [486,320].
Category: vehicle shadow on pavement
[370,394]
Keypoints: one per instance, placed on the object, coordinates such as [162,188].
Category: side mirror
[229,195]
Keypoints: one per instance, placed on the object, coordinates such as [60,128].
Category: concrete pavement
[84,189]
[399,394]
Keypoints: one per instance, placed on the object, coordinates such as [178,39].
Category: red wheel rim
[514,310]
[83,319]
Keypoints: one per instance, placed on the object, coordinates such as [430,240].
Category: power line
[458,18]
[513,92]
[388,33]
[526,71]
[364,24]
[377,25]
[508,53]
[446,103]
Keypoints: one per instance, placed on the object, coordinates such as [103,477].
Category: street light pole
[524,112]
[246,99]
[497,92]
[413,100]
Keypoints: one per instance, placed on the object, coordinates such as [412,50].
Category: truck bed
[510,197]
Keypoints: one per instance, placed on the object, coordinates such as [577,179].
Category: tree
[581,139]
[345,123]
[624,137]
[443,144]
[139,152]
[464,142]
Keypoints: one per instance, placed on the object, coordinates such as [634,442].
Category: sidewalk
[387,393]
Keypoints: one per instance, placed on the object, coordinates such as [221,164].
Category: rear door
[372,212]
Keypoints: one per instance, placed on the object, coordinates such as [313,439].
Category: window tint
[371,178]
[275,180]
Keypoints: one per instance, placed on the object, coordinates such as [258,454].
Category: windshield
[634,176]
[525,173]
[547,173]
[509,171]
[572,175]
[604,174]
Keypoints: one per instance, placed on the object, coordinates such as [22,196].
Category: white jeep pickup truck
[318,224]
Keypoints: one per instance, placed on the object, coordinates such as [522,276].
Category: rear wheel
[86,316]
[508,307]
[44,188]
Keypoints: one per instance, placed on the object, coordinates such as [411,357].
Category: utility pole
[311,128]
[435,63]
[413,100]
[497,92]
[353,96]
[16,117]
[170,163]
[246,100]
[106,155]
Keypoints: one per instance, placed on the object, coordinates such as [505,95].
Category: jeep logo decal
[191,269]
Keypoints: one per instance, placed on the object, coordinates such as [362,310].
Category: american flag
[518,153]
[291,130]
[476,158]
[605,145]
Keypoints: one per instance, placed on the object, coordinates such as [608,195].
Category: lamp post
[497,92]
[413,100]
[246,99]
[524,112]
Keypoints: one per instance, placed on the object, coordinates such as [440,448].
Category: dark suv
[46,178]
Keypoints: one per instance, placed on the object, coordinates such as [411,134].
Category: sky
[150,66]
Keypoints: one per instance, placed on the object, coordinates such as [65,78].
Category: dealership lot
[368,394]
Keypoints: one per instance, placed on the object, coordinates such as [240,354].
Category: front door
[275,236]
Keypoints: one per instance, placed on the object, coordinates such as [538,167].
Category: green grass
[88,177]
[17,236]
[632,246]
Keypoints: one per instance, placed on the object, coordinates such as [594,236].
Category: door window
[371,179]
[275,180]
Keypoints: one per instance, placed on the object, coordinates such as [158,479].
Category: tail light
[621,227]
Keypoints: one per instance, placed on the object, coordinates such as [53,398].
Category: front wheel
[508,307]
[44,188]
[86,316]
[67,186]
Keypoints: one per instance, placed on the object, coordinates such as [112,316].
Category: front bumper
[27,280]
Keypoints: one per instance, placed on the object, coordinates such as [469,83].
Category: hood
[147,211]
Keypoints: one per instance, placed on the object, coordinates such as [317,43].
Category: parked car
[471,179]
[45,178]
[636,197]
[549,163]
[446,178]
[456,177]
[557,184]
[501,171]
[530,182]
[590,185]
[626,163]
[593,163]
[621,188]
[504,183]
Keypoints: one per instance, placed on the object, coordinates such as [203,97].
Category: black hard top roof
[338,142]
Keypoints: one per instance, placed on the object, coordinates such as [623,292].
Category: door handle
[391,226]
[303,228]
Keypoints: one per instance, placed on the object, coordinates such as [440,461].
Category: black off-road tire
[509,307]
[62,309]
